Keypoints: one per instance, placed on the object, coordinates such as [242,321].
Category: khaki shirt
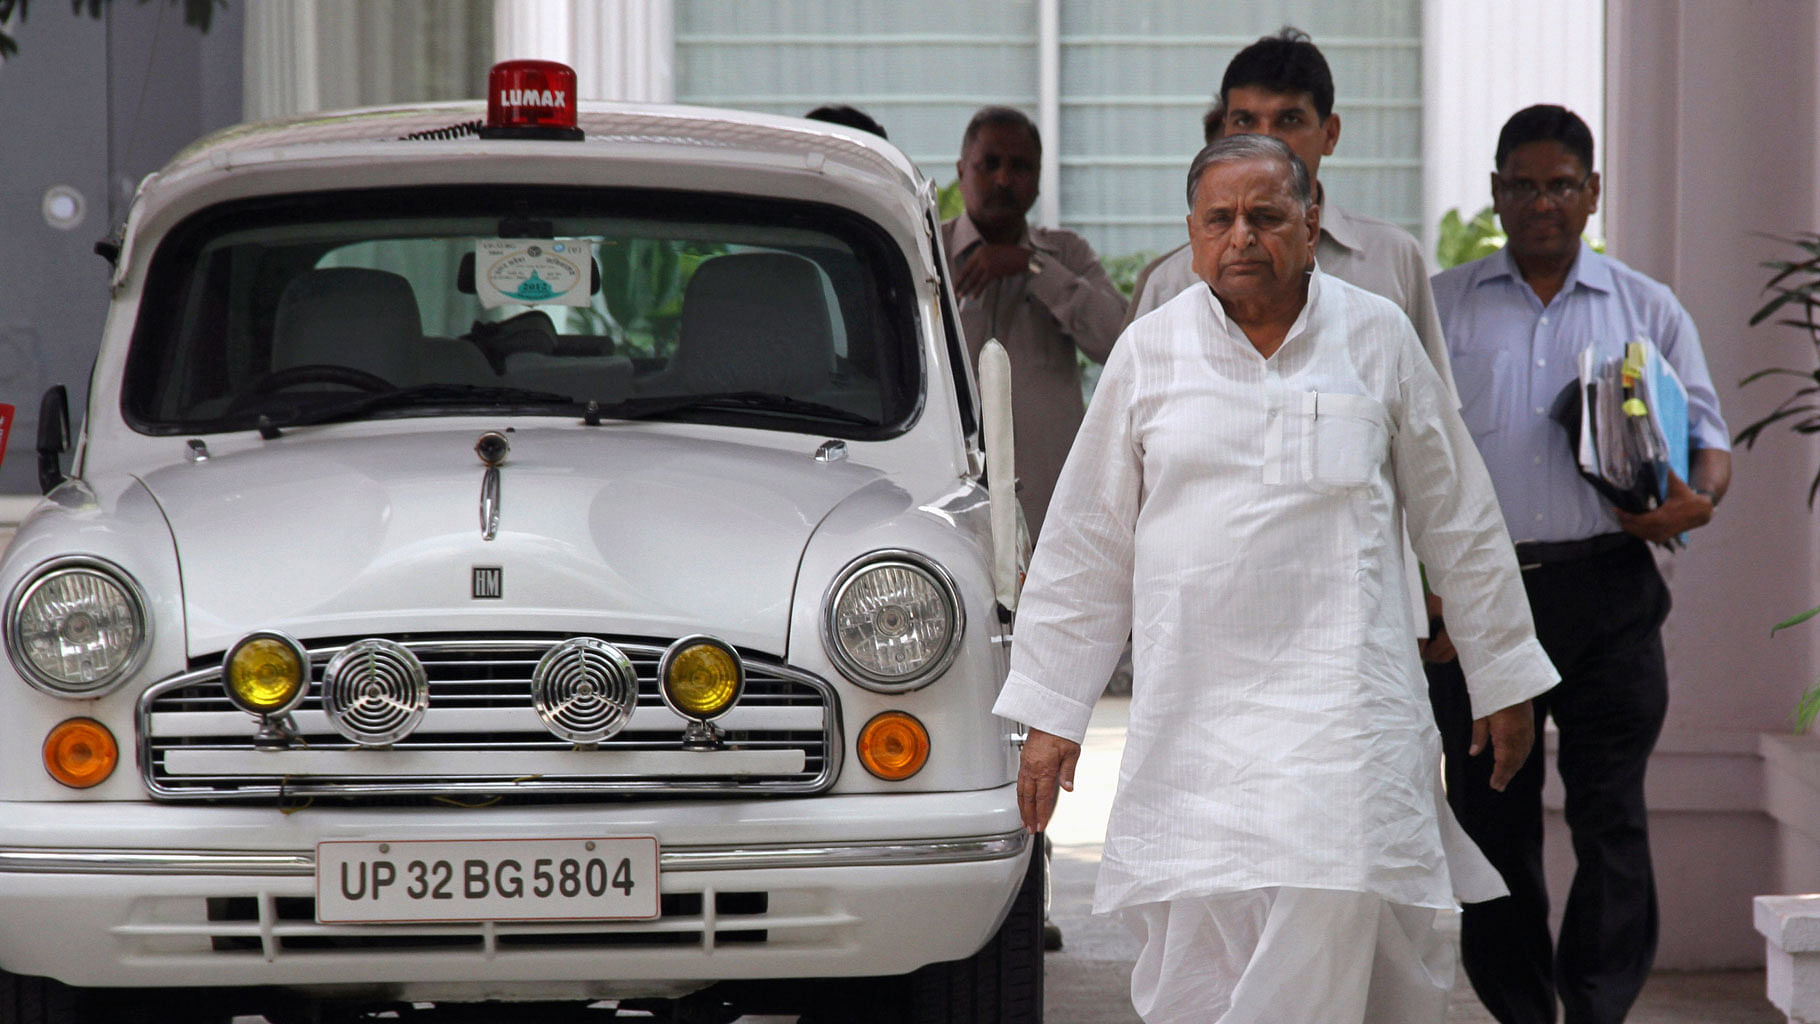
[1041,319]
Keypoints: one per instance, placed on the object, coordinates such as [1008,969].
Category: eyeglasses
[1559,190]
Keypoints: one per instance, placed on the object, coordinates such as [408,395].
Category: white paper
[532,272]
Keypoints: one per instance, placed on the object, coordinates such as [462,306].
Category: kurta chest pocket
[1345,438]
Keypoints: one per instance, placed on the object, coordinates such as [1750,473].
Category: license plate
[486,880]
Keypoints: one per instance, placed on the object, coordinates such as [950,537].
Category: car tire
[1000,984]
[29,1000]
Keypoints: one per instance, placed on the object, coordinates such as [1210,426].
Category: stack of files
[1627,418]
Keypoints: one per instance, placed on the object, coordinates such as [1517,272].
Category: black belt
[1534,553]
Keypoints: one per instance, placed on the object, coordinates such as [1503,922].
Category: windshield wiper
[420,394]
[658,406]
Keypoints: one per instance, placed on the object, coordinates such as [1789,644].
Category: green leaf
[1794,286]
[1794,620]
[199,14]
[1806,709]
[1123,270]
[1779,371]
[948,201]
[1462,240]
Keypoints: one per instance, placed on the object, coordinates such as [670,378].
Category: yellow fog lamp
[266,674]
[80,753]
[894,746]
[701,678]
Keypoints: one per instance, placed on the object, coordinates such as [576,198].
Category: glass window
[430,302]
[1134,79]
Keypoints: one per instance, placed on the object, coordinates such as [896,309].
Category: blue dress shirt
[1512,357]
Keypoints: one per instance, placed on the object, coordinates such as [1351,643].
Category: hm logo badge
[489,582]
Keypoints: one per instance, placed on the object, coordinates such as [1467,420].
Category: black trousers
[1600,621]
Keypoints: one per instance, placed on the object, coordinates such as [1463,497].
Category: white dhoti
[1289,956]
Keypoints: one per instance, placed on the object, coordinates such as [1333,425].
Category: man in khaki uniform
[1040,291]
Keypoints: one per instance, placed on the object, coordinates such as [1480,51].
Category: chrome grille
[482,736]
[286,927]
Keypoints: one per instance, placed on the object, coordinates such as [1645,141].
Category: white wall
[1481,63]
[620,49]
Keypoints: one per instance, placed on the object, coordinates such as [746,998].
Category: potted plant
[1794,301]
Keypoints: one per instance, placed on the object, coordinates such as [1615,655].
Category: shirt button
[1544,319]
[1538,517]
[1541,362]
[1540,410]
[1538,460]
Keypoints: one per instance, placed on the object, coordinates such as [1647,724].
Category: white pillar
[279,60]
[620,49]
[1482,63]
[1790,926]
[1049,110]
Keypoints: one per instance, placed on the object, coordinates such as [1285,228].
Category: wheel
[29,1000]
[1000,984]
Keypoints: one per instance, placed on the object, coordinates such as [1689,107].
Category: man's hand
[1047,762]
[1512,732]
[1438,648]
[987,262]
[1684,510]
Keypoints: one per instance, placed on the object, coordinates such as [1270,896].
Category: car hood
[613,529]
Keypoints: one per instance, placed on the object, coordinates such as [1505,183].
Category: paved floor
[1087,978]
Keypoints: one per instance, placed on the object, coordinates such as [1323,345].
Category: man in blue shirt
[1516,323]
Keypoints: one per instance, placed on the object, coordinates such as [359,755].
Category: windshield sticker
[532,272]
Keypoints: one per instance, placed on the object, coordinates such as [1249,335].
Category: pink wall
[1712,140]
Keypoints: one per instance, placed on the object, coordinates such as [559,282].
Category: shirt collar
[1296,329]
[1339,228]
[1590,269]
[967,235]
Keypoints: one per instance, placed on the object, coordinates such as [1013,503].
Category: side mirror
[1010,541]
[53,436]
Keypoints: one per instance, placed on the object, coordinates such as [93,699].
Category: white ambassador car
[522,559]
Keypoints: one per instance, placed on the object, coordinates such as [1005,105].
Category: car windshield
[430,301]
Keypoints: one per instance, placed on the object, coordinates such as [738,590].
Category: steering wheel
[321,373]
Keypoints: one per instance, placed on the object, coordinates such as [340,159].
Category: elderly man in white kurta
[1235,500]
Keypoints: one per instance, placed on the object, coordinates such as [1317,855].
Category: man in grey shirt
[1280,86]
[1040,291]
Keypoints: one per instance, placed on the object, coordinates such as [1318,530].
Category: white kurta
[1242,518]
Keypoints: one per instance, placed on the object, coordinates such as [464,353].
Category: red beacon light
[531,99]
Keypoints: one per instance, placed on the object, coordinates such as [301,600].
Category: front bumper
[823,887]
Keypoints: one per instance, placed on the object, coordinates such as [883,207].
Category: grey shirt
[1041,319]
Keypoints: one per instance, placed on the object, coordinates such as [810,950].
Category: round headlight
[77,628]
[266,673]
[701,678]
[892,621]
